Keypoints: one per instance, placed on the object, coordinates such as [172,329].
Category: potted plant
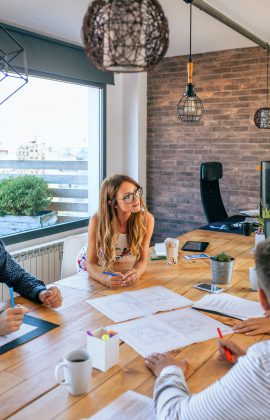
[23,204]
[222,267]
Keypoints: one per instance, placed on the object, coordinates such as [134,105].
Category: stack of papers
[160,250]
[129,305]
[229,305]
[169,331]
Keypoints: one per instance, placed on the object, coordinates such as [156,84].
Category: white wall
[126,126]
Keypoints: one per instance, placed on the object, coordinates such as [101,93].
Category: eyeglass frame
[139,191]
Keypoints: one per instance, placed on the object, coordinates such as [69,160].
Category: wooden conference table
[27,385]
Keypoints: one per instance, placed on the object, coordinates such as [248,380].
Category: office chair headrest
[211,171]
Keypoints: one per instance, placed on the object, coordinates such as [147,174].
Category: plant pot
[221,271]
[13,224]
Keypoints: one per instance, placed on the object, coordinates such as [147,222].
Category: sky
[52,112]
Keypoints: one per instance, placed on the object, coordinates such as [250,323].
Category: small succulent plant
[222,257]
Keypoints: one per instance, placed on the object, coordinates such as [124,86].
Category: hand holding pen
[12,318]
[229,349]
[113,280]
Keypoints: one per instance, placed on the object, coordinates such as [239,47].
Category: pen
[110,274]
[228,352]
[11,296]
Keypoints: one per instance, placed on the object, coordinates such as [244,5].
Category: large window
[54,130]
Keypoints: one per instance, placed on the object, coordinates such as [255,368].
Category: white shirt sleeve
[242,394]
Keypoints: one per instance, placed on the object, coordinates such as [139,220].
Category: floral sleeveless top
[124,259]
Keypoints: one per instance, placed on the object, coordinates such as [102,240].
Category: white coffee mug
[171,245]
[77,365]
[253,278]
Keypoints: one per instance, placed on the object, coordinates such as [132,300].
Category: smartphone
[209,288]
[196,256]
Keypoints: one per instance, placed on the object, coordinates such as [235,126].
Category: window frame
[83,222]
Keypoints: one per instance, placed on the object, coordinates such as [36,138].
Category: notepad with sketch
[129,305]
[168,331]
[232,306]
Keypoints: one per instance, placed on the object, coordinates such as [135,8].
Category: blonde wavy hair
[107,220]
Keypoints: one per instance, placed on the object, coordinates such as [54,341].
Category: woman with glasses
[118,235]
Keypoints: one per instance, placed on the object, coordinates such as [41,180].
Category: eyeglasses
[129,198]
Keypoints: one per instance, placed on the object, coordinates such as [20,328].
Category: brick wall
[232,85]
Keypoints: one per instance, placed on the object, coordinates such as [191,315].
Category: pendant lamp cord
[190,26]
[267,75]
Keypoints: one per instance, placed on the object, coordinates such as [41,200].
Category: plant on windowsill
[222,267]
[23,204]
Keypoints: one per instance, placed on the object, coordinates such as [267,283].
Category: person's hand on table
[130,277]
[114,280]
[253,326]
[11,319]
[158,361]
[234,348]
[51,297]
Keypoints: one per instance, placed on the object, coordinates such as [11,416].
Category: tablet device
[195,246]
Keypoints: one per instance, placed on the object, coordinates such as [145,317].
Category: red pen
[228,352]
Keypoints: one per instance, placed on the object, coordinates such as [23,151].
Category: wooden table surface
[27,385]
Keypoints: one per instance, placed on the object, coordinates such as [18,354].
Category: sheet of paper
[78,281]
[129,405]
[194,325]
[130,305]
[160,249]
[150,335]
[120,307]
[230,305]
[160,298]
[24,329]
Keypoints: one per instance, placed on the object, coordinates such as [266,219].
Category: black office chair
[210,174]
[214,210]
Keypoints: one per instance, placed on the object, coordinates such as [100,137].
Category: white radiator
[43,262]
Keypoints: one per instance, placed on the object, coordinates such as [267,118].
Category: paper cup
[172,246]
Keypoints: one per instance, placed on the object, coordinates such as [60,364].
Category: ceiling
[62,19]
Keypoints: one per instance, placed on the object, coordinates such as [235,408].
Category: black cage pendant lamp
[190,107]
[262,115]
[125,35]
[13,65]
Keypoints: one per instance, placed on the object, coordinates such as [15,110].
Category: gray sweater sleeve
[15,276]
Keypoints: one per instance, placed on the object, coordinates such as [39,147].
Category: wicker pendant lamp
[262,115]
[125,35]
[190,107]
